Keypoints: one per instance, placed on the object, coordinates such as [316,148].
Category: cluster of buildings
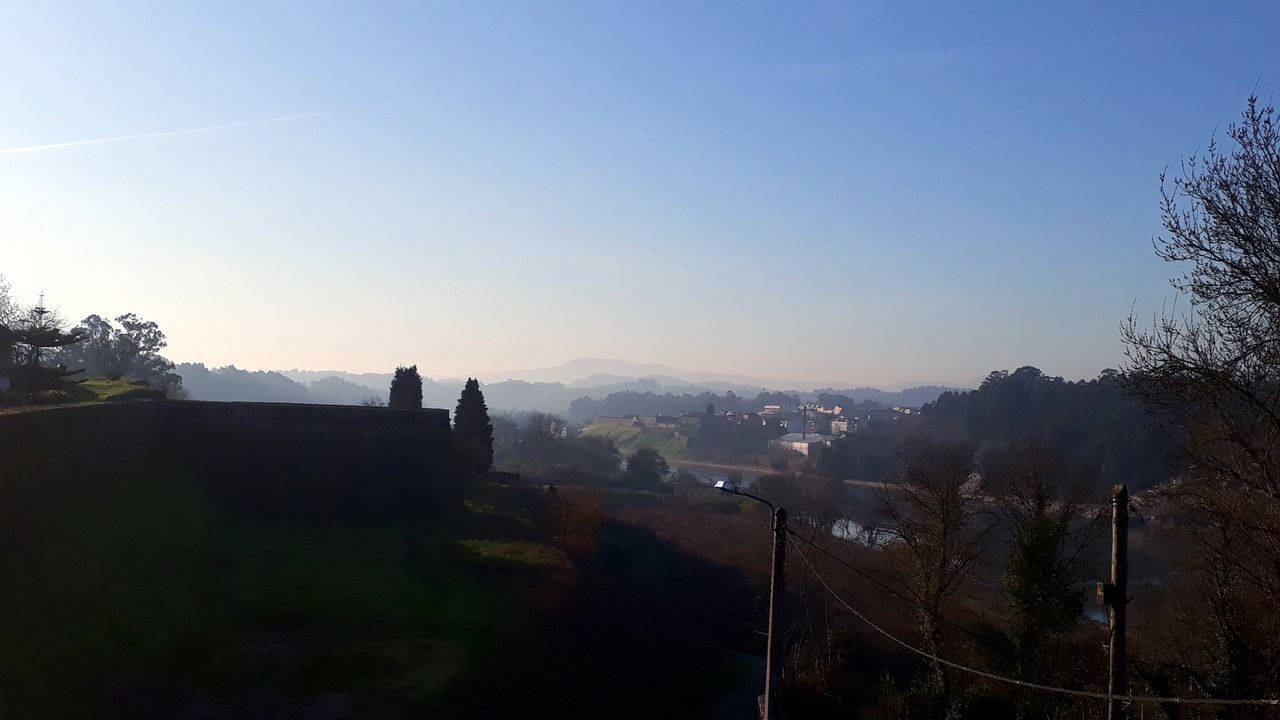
[806,429]
[833,421]
[646,421]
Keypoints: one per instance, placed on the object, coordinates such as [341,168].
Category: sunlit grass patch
[515,552]
[668,442]
[480,507]
[492,502]
[103,390]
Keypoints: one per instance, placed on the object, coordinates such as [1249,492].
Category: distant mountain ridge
[343,388]
[578,369]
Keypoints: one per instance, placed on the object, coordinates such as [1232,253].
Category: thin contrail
[139,136]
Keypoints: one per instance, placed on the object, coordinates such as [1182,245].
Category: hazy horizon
[861,195]
[565,375]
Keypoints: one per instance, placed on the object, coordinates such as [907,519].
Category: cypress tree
[406,389]
[472,430]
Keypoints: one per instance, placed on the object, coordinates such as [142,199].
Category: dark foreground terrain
[141,586]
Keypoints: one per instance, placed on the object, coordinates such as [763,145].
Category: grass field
[104,390]
[668,442]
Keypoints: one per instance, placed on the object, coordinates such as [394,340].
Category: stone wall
[289,418]
[248,458]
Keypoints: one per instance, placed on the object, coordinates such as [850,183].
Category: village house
[811,446]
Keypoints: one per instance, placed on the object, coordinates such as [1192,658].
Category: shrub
[576,516]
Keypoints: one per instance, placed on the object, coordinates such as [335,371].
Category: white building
[809,445]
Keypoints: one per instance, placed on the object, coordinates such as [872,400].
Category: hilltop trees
[1093,420]
[1213,370]
[406,389]
[472,430]
[38,354]
[129,349]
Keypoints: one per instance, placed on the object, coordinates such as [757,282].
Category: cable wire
[888,588]
[1013,681]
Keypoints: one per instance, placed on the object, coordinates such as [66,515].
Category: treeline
[540,445]
[634,402]
[232,383]
[42,361]
[1093,422]
[650,403]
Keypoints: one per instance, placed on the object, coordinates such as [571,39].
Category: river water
[711,474]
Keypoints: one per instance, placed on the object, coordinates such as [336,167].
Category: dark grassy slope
[154,576]
[639,630]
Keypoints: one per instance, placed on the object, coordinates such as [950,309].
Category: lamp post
[777,581]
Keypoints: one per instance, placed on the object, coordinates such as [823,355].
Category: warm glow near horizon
[846,196]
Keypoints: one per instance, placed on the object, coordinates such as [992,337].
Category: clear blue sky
[873,193]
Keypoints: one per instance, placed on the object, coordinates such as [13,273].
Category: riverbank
[752,471]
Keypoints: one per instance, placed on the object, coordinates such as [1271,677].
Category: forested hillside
[1094,422]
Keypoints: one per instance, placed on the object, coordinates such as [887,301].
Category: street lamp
[735,489]
[777,581]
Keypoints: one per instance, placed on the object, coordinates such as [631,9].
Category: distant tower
[804,419]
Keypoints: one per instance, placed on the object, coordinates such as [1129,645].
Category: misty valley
[395,360]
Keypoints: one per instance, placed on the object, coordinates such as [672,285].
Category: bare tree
[936,520]
[8,308]
[1041,500]
[1214,370]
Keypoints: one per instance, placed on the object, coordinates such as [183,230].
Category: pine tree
[406,389]
[472,430]
[24,348]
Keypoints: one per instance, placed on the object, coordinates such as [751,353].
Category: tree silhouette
[1040,500]
[406,389]
[934,511]
[646,467]
[129,348]
[472,430]
[26,345]
[1211,368]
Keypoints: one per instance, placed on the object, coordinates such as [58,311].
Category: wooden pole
[1118,592]
[777,582]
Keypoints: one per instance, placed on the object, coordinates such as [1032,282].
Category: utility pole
[1116,596]
[772,706]
[777,582]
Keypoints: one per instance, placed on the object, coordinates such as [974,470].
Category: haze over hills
[517,391]
[575,371]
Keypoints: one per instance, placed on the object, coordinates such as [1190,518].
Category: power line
[888,588]
[1012,681]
